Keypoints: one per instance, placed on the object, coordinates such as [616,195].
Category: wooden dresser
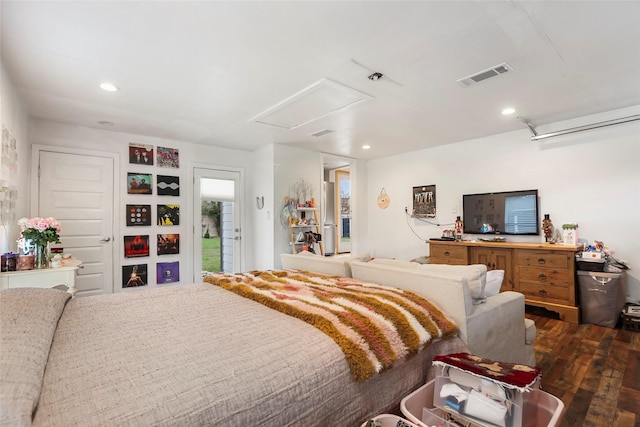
[544,273]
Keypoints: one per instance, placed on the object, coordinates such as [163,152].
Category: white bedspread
[199,355]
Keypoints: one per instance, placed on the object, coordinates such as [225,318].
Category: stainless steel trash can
[602,297]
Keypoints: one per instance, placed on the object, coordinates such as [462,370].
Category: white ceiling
[200,71]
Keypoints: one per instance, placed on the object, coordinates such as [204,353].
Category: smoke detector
[485,74]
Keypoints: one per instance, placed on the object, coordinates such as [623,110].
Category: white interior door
[222,186]
[78,191]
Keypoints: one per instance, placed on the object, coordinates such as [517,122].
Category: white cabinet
[43,278]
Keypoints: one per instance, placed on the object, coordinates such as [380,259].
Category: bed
[194,354]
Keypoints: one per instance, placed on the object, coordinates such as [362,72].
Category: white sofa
[493,327]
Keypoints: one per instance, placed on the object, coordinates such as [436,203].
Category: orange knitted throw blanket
[374,325]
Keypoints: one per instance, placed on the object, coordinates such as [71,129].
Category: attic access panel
[321,99]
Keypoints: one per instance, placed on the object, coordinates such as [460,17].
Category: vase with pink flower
[41,232]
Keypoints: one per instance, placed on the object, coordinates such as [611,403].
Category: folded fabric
[451,389]
[484,408]
[508,375]
[484,385]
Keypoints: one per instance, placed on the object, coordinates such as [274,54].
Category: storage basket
[590,264]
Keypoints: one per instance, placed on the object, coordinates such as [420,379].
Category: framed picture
[168,272]
[139,183]
[424,201]
[168,157]
[168,185]
[168,244]
[168,214]
[141,154]
[136,246]
[138,215]
[134,275]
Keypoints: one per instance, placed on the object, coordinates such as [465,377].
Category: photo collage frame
[143,185]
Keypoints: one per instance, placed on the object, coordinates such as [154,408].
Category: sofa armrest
[496,329]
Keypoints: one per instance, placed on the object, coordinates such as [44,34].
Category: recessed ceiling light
[366,147]
[109,87]
[508,111]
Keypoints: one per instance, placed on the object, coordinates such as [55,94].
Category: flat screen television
[508,212]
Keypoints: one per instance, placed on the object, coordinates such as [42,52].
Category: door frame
[340,175]
[196,239]
[34,191]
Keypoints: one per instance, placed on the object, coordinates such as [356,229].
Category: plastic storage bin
[504,409]
[602,297]
[631,318]
[389,420]
[539,408]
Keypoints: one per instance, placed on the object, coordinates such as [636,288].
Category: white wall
[261,185]
[58,134]
[292,164]
[15,119]
[590,177]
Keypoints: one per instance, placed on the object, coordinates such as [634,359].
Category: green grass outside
[211,254]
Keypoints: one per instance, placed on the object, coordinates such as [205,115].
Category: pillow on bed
[28,321]
[494,282]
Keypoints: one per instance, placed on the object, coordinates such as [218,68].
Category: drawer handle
[542,292]
[541,261]
[447,253]
[542,276]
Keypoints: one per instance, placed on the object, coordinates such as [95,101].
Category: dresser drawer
[544,259]
[546,276]
[448,254]
[548,293]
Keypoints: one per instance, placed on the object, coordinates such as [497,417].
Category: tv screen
[509,212]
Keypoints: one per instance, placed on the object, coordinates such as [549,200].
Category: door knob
[106,239]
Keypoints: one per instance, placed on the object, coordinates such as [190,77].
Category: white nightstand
[43,278]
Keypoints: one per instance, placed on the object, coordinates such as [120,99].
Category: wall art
[168,185]
[168,272]
[139,183]
[136,246]
[134,275]
[168,244]
[168,157]
[141,154]
[138,215]
[168,214]
[424,201]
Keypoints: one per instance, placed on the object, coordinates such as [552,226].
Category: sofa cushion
[395,262]
[476,275]
[530,331]
[334,265]
[494,282]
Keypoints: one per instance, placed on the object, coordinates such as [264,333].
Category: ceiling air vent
[485,74]
[321,132]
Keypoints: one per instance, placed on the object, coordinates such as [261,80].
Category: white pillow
[494,282]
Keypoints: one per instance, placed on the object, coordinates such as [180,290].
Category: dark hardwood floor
[593,369]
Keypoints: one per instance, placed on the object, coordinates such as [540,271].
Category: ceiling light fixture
[508,111]
[366,147]
[109,87]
